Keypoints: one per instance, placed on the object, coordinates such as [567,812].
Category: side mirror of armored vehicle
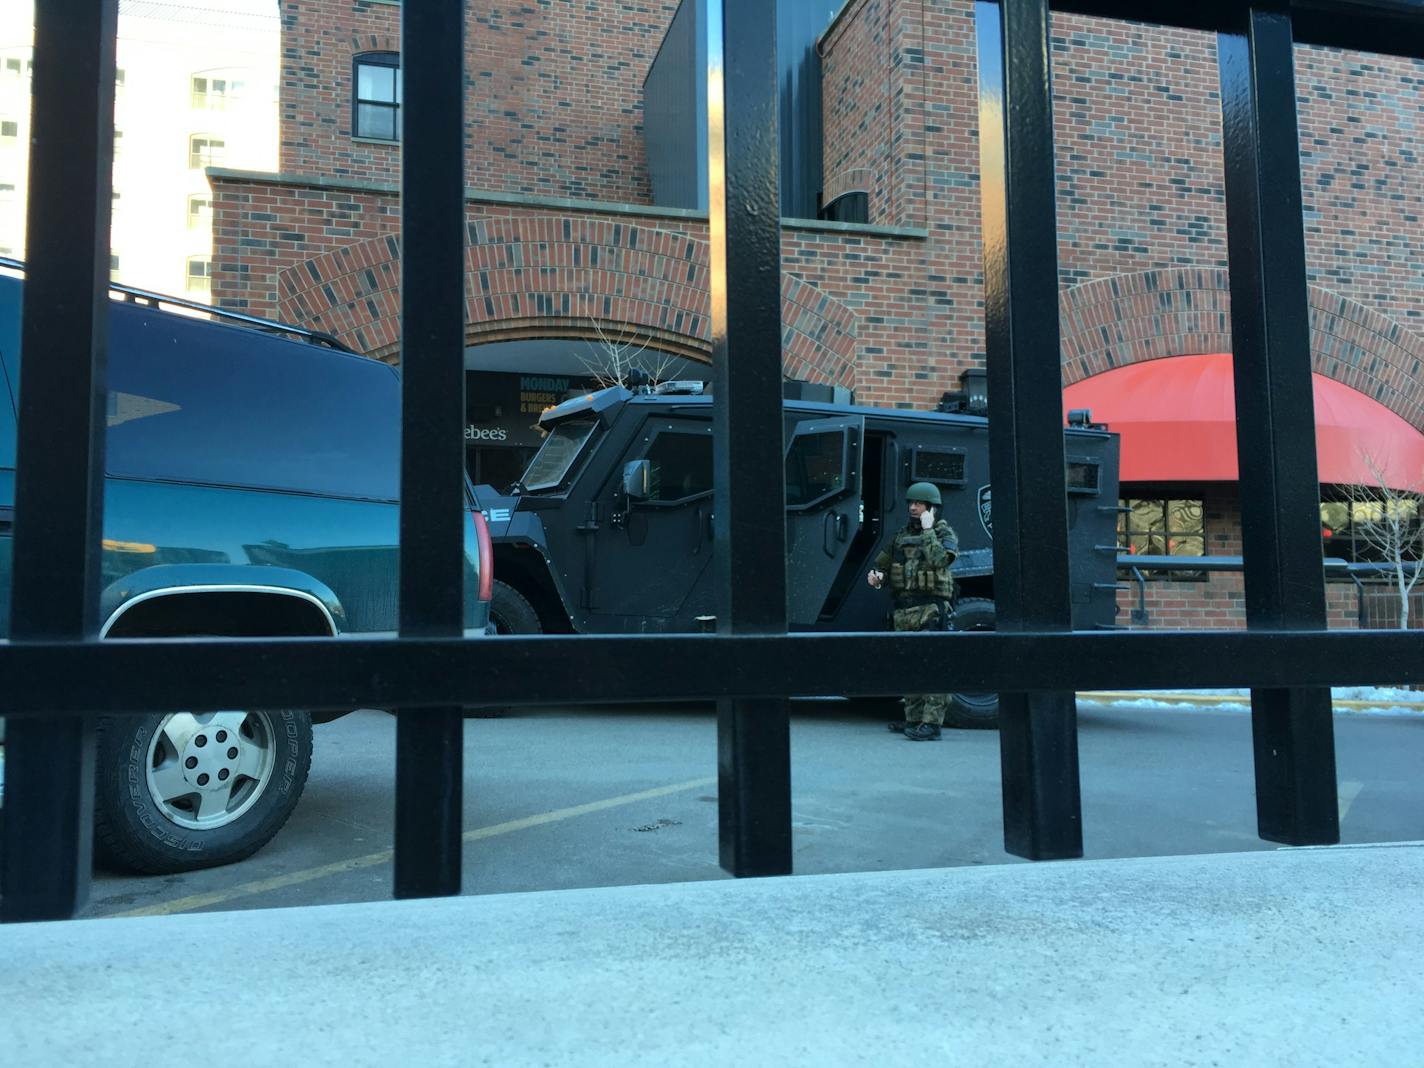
[637,479]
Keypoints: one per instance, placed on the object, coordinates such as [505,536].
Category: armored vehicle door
[648,568]
[823,509]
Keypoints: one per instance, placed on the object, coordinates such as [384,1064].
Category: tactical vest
[911,577]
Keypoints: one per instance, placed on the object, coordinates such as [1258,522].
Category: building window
[14,67]
[200,271]
[200,212]
[113,266]
[214,93]
[118,141]
[9,130]
[1158,527]
[118,77]
[205,151]
[1366,530]
[7,190]
[378,96]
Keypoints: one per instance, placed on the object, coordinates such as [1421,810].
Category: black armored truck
[609,531]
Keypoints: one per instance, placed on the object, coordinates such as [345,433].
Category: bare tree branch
[614,357]
[1388,520]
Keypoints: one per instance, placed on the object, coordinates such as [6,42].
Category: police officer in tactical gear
[919,559]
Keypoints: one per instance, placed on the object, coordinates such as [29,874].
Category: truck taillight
[482,536]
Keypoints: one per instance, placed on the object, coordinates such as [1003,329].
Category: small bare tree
[1390,521]
[613,358]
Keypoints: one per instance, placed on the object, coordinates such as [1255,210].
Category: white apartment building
[196,87]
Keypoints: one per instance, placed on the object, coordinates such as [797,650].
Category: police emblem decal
[986,515]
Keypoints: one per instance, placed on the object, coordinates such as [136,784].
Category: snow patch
[1384,701]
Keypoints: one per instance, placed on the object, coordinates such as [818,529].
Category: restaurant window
[1163,527]
[1367,530]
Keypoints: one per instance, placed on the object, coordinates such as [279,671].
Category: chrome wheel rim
[204,770]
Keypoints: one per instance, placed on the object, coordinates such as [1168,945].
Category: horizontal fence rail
[133,676]
[57,676]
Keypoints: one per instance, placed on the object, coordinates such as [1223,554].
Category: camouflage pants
[922,707]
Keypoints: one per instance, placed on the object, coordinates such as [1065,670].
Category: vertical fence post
[433,520]
[1038,733]
[49,788]
[1293,734]
[753,736]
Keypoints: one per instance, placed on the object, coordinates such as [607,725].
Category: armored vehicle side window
[195,401]
[555,458]
[1082,476]
[941,467]
[815,467]
[681,466]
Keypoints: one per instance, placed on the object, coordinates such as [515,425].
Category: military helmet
[927,492]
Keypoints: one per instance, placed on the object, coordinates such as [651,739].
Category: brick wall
[554,106]
[554,110]
[1140,187]
[329,258]
[855,106]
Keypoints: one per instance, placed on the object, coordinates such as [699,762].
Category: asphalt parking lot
[565,798]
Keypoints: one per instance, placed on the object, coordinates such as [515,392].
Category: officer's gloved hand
[927,520]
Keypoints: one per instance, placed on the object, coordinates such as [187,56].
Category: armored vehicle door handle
[834,528]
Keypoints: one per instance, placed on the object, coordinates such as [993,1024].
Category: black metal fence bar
[1038,733]
[433,516]
[58,490]
[55,675]
[1292,727]
[54,678]
[753,735]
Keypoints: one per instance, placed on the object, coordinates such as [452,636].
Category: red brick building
[567,239]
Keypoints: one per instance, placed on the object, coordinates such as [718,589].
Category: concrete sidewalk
[1296,957]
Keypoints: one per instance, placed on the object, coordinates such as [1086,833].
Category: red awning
[1177,418]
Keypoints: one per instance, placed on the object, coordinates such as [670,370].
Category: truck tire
[511,612]
[973,711]
[194,790]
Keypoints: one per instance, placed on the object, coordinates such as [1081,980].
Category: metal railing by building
[1369,613]
[57,675]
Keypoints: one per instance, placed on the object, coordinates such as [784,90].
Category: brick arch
[551,275]
[1128,318]
[374,42]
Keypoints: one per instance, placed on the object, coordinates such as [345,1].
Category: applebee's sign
[485,433]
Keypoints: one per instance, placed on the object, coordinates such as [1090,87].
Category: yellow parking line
[295,878]
[1226,699]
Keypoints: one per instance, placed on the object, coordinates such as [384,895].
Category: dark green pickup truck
[252,485]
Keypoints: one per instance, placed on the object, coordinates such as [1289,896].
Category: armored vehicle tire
[973,711]
[194,790]
[511,612]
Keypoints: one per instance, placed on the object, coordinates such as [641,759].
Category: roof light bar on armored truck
[134,295]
